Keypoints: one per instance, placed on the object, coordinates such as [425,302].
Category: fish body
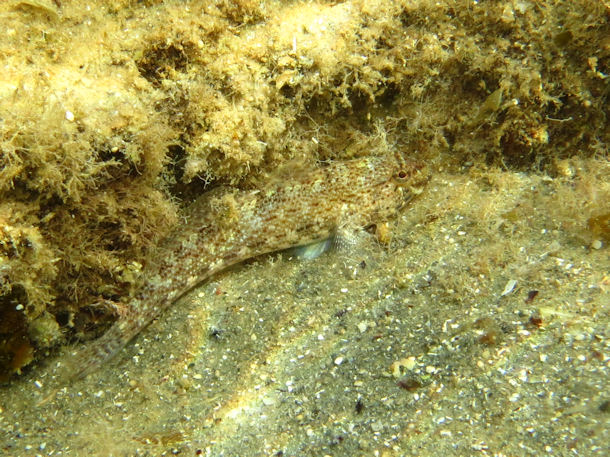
[223,229]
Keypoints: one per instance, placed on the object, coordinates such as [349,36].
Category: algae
[114,116]
[112,113]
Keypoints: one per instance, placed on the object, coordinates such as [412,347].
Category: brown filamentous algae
[222,230]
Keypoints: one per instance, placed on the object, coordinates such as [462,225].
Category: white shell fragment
[509,287]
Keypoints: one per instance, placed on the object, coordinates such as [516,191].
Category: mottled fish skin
[221,230]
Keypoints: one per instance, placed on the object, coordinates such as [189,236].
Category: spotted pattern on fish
[222,229]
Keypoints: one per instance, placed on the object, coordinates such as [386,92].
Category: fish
[226,227]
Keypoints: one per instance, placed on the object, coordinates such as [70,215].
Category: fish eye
[402,175]
[410,174]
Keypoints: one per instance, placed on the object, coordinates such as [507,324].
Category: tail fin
[88,359]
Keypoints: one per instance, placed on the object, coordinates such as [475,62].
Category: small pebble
[543,357]
[377,426]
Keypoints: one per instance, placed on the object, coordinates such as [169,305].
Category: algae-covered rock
[114,116]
